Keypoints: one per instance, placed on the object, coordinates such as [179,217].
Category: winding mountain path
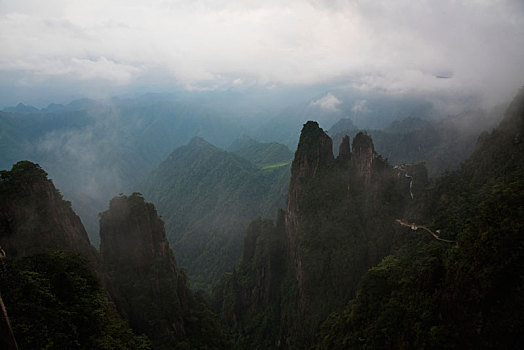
[415,227]
[402,169]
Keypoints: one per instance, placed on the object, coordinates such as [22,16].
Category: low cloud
[397,46]
[360,107]
[328,102]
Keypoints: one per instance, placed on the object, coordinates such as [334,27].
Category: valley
[262,248]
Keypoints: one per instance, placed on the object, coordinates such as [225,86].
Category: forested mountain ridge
[463,295]
[57,289]
[261,154]
[94,150]
[365,255]
[451,276]
[207,196]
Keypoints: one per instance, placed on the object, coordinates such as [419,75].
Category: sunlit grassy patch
[276,165]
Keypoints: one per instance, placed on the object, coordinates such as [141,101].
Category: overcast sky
[94,47]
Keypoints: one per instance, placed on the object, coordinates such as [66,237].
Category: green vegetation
[351,277]
[260,153]
[292,277]
[333,271]
[145,283]
[273,166]
[207,196]
[435,295]
[55,302]
[93,150]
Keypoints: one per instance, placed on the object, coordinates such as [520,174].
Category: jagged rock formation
[50,279]
[146,284]
[338,222]
[34,218]
[442,145]
[344,151]
[363,156]
[432,293]
[333,205]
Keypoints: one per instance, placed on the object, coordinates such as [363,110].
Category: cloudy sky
[67,48]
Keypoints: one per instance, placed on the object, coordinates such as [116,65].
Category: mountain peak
[363,156]
[22,109]
[198,141]
[313,151]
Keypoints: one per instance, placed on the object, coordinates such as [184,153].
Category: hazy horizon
[58,51]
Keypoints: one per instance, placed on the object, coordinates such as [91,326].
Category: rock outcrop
[363,156]
[147,286]
[339,221]
[344,151]
[34,218]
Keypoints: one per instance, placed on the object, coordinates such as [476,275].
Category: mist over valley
[261,175]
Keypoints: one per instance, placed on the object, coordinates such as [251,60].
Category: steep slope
[261,154]
[54,301]
[207,197]
[338,222]
[49,272]
[147,286]
[463,295]
[34,218]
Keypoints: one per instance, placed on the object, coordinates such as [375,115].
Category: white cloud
[393,45]
[329,102]
[360,107]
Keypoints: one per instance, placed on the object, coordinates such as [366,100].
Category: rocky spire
[344,151]
[314,151]
[362,156]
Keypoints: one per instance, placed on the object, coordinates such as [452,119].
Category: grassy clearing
[276,165]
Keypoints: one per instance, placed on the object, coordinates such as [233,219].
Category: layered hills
[365,253]
[94,150]
[442,144]
[207,196]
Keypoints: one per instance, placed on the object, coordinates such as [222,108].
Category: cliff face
[34,218]
[344,151]
[339,221]
[363,156]
[313,158]
[336,204]
[314,153]
[146,285]
[132,234]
